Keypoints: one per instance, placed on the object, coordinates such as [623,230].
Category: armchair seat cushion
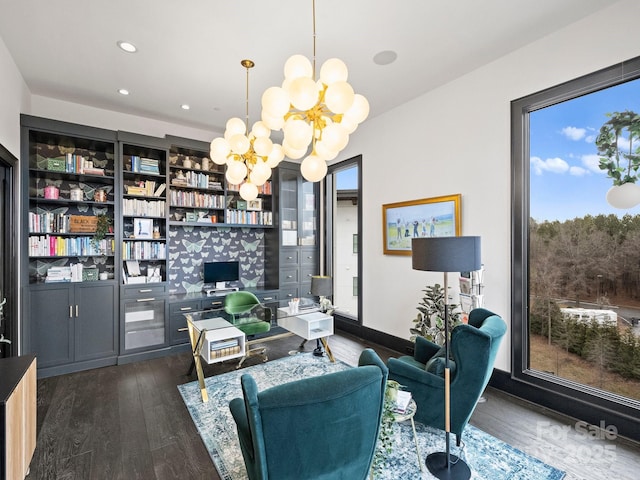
[253,327]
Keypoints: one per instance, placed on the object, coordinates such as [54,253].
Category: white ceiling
[190,50]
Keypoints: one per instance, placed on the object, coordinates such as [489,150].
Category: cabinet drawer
[184,307]
[267,297]
[307,273]
[289,257]
[308,256]
[289,276]
[178,332]
[305,289]
[212,303]
[287,294]
[144,291]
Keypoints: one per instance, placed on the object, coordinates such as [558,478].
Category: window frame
[587,403]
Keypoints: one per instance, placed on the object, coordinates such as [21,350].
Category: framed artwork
[143,228]
[427,217]
[255,205]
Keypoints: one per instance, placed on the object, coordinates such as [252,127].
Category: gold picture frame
[427,217]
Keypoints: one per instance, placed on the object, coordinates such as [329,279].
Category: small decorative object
[427,217]
[103,223]
[196,166]
[89,274]
[205,163]
[294,305]
[143,228]
[76,194]
[241,204]
[186,163]
[100,195]
[180,174]
[104,276]
[178,216]
[56,164]
[254,204]
[156,231]
[51,192]
[191,217]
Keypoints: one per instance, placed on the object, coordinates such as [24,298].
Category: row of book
[145,189]
[262,189]
[58,275]
[196,199]
[144,250]
[49,222]
[54,246]
[197,180]
[143,208]
[79,164]
[249,217]
[224,348]
[144,165]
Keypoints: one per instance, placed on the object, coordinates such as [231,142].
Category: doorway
[8,264]
[344,240]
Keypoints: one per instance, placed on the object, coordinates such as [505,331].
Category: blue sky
[565,179]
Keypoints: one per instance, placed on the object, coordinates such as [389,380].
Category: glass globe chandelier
[319,113]
[249,155]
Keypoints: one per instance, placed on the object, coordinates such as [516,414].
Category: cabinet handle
[290,295]
[289,258]
[289,276]
[215,304]
[76,311]
[185,309]
[183,329]
[309,275]
[145,299]
[310,257]
[267,298]
[145,290]
[70,311]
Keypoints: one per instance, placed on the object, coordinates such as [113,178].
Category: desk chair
[247,314]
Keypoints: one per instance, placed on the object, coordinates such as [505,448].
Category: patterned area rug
[488,457]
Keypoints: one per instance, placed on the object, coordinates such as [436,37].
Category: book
[402,401]
[159,190]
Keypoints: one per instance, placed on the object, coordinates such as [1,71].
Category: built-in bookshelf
[258,212]
[144,214]
[70,185]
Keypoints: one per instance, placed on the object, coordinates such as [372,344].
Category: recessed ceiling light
[127,47]
[385,57]
[123,91]
[184,106]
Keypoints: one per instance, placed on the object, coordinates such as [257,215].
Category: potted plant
[429,322]
[621,164]
[385,437]
[102,227]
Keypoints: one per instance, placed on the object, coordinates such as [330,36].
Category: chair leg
[458,440]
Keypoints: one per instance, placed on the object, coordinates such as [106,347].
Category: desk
[214,340]
[309,324]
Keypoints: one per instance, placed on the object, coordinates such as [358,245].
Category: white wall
[96,117]
[14,99]
[461,142]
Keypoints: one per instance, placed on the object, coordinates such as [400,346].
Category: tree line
[594,259]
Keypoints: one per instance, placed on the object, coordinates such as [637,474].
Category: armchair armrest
[398,368]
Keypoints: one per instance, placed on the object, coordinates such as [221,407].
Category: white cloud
[553,165]
[574,133]
[578,171]
[592,162]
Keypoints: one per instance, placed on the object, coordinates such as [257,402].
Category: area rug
[488,457]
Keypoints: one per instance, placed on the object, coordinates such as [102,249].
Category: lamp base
[456,470]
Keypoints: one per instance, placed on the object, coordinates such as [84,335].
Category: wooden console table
[17,415]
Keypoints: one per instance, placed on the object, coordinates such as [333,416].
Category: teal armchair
[246,313]
[321,428]
[473,349]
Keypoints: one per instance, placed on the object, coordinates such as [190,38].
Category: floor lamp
[446,254]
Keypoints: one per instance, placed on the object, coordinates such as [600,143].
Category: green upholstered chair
[473,350]
[246,313]
[316,428]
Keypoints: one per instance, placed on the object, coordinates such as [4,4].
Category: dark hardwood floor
[129,422]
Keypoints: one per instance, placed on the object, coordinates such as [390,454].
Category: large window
[576,245]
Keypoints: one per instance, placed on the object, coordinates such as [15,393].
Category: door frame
[10,257]
[328,234]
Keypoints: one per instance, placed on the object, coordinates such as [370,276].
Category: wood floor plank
[129,422]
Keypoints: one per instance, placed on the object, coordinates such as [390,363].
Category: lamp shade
[321,286]
[446,254]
